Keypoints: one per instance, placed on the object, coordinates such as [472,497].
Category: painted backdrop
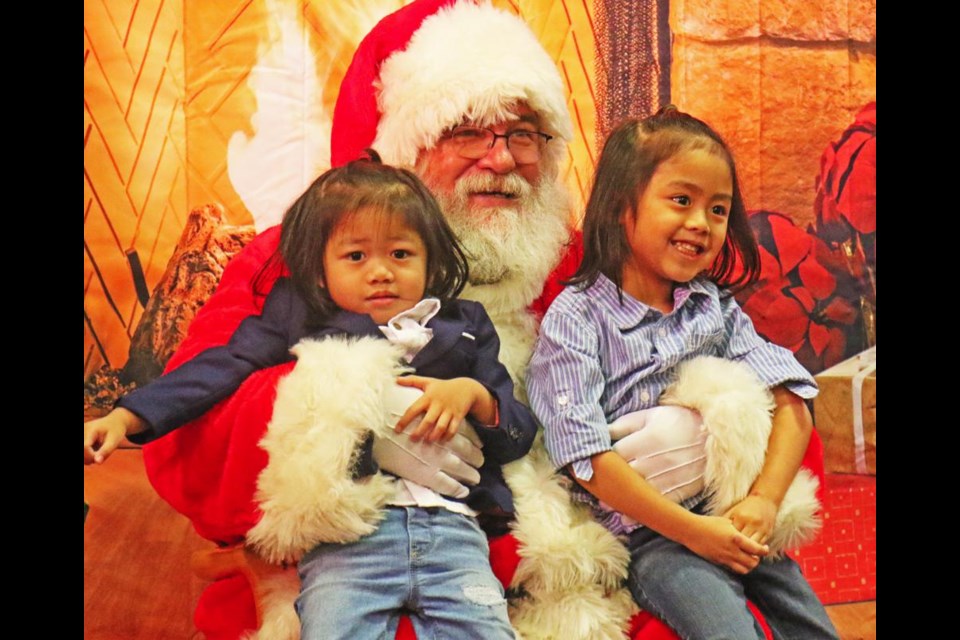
[229,102]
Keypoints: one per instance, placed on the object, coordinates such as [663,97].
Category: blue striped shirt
[597,359]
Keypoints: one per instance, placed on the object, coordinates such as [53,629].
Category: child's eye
[354,256]
[400,254]
[719,210]
[681,200]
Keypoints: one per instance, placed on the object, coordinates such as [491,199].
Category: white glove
[666,445]
[441,466]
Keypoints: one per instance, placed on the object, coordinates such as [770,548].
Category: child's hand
[716,539]
[444,404]
[103,435]
[754,517]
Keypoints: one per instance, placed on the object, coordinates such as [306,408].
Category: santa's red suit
[567,569]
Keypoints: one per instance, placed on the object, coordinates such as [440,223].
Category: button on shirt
[597,359]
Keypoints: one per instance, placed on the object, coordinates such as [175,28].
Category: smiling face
[509,217]
[375,264]
[488,182]
[679,227]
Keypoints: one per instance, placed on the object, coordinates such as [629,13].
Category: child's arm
[754,516]
[565,381]
[102,436]
[187,392]
[504,425]
[711,537]
[776,367]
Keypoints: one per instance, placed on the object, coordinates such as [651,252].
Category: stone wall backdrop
[134,156]
[780,79]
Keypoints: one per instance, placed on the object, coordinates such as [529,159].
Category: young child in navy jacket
[374,271]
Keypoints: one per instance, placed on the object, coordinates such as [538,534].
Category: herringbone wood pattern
[133,162]
[173,90]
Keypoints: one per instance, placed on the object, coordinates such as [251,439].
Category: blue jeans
[701,600]
[431,564]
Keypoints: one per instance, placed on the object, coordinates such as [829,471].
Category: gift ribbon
[866,364]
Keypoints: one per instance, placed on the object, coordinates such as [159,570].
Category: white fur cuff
[324,410]
[737,414]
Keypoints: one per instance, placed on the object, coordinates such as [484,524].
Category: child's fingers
[91,440]
[759,536]
[741,559]
[415,409]
[453,429]
[92,434]
[445,428]
[96,453]
[427,424]
[412,381]
[110,442]
[439,428]
[750,546]
[743,565]
[754,531]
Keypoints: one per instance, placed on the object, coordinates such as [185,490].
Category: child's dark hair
[366,184]
[630,156]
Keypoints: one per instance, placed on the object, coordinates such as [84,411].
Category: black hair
[365,184]
[630,156]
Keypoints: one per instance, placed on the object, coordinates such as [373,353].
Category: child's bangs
[385,202]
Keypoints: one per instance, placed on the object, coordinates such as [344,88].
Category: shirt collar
[355,324]
[632,312]
[361,324]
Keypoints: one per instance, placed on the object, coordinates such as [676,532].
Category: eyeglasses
[476,142]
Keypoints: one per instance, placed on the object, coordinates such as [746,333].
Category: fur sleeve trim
[324,409]
[737,413]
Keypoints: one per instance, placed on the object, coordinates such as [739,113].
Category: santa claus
[422,72]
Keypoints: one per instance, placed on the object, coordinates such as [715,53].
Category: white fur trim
[276,596]
[737,410]
[470,61]
[571,569]
[321,416]
[560,546]
[581,612]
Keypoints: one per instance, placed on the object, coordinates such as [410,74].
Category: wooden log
[192,274]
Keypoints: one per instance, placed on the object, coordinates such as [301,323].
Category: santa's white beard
[511,251]
[521,241]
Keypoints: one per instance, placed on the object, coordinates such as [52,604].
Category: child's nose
[697,219]
[380,271]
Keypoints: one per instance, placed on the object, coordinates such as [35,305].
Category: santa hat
[434,64]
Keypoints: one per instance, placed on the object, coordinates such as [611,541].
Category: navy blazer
[464,344]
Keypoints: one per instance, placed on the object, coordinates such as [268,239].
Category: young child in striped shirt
[665,231]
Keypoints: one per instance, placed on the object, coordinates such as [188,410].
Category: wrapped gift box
[847,427]
[841,564]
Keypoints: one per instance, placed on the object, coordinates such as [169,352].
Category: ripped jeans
[429,563]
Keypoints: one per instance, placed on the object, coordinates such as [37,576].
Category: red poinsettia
[796,302]
[816,294]
[846,214]
[846,202]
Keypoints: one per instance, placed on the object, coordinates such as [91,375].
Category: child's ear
[320,282]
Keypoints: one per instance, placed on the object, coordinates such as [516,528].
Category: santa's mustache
[510,185]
